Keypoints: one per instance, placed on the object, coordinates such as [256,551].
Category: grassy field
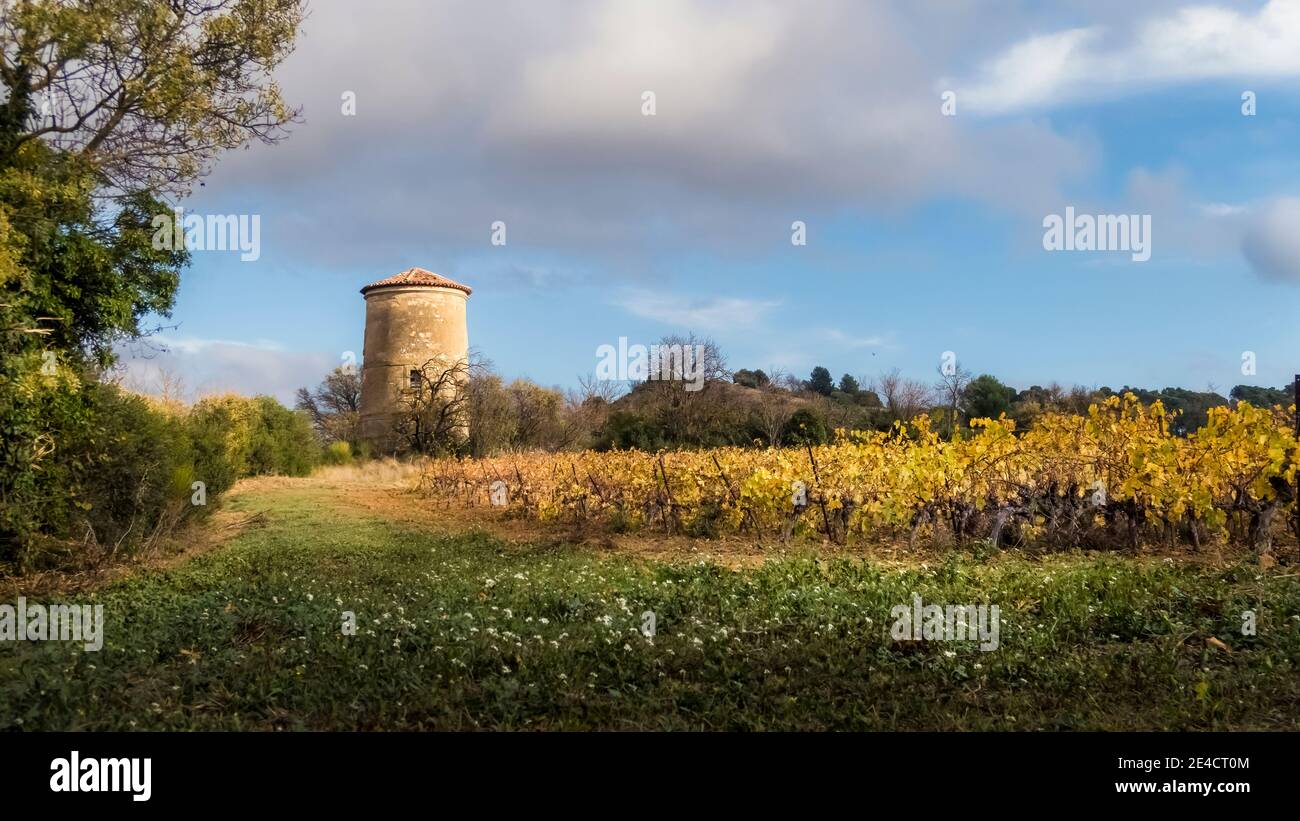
[463,630]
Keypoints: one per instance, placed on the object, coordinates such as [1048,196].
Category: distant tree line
[746,407]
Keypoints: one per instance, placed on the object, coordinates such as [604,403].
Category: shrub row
[111,472]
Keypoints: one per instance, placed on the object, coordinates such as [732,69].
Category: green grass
[467,632]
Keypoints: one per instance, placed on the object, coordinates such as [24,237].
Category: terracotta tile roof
[417,276]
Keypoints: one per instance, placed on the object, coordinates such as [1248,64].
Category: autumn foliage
[1115,477]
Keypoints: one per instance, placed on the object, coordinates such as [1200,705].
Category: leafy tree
[72,283]
[84,279]
[282,441]
[1036,400]
[149,92]
[132,98]
[986,397]
[849,385]
[820,381]
[538,414]
[492,422]
[221,432]
[1262,397]
[751,379]
[1190,408]
[109,105]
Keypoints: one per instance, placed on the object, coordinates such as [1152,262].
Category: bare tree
[335,405]
[786,381]
[587,408]
[950,387]
[492,423]
[171,387]
[592,388]
[706,359]
[1077,399]
[914,398]
[904,398]
[537,414]
[774,409]
[887,387]
[691,401]
[435,408]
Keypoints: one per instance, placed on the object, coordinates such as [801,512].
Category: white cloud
[1272,240]
[196,345]
[469,113]
[712,315]
[1028,73]
[696,58]
[1266,232]
[207,366]
[1222,209]
[1200,42]
[851,342]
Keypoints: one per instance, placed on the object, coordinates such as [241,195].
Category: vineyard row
[1113,477]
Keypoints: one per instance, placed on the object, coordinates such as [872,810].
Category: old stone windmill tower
[412,318]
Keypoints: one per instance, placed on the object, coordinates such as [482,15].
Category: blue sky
[924,230]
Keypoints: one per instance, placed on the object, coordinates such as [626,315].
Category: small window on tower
[415,380]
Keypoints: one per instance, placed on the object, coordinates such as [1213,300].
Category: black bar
[484,773]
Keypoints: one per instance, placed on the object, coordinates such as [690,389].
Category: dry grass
[386,472]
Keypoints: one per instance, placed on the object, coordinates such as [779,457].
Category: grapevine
[1116,476]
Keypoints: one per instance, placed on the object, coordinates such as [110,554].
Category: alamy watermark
[638,363]
[1103,232]
[953,622]
[77,774]
[54,622]
[209,232]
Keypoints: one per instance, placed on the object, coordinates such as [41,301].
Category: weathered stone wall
[406,327]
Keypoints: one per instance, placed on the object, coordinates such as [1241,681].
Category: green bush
[626,430]
[135,469]
[42,416]
[221,430]
[90,470]
[282,442]
[806,427]
[338,453]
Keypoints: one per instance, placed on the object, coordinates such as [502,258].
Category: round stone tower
[413,319]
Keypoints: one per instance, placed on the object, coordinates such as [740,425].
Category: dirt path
[394,500]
